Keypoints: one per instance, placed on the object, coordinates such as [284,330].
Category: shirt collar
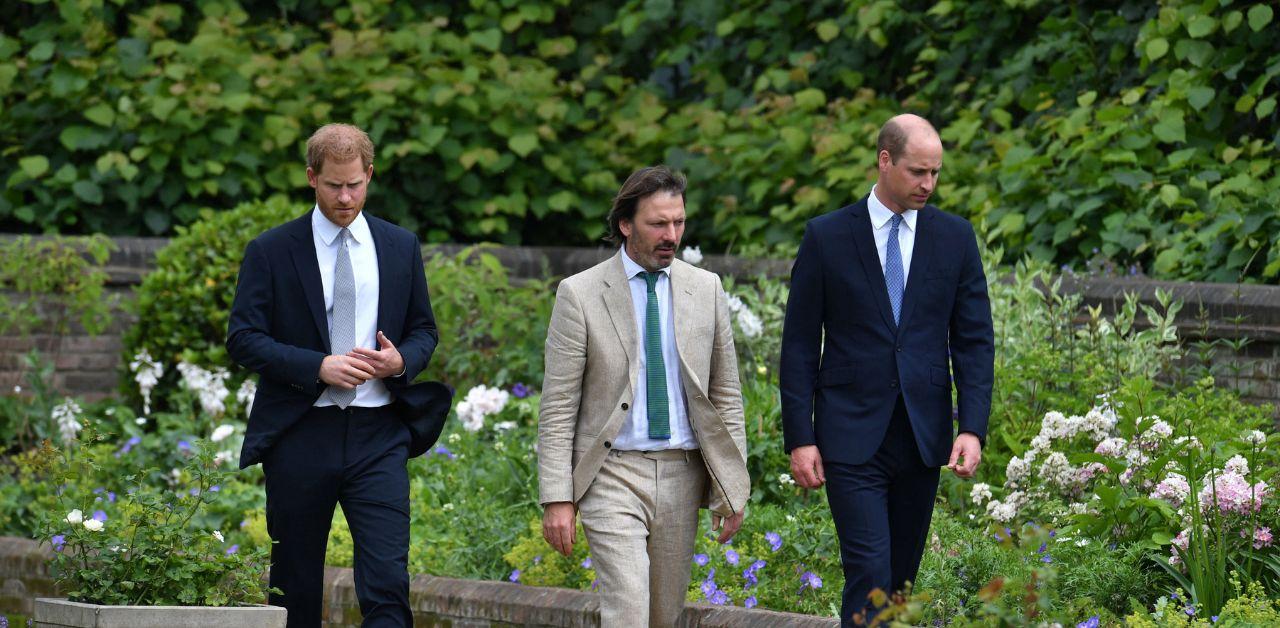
[881,214]
[329,231]
[632,269]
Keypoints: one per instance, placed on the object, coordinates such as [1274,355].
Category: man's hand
[344,371]
[806,466]
[559,526]
[730,526]
[386,362]
[969,449]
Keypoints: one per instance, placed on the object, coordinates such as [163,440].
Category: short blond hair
[339,143]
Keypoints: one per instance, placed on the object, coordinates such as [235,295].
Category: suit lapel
[617,300]
[684,306]
[308,269]
[866,245]
[921,258]
[382,250]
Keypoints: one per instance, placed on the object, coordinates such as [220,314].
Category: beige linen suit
[592,365]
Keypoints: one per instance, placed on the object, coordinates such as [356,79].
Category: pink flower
[1261,537]
[1173,489]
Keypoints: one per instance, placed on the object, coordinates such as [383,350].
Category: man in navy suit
[888,301]
[331,310]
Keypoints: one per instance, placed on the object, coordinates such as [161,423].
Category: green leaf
[1171,128]
[523,144]
[43,51]
[87,191]
[1169,194]
[100,114]
[1087,98]
[1157,48]
[1259,16]
[34,166]
[489,39]
[1201,25]
[828,30]
[725,27]
[1232,21]
[82,138]
[1167,260]
[810,99]
[1265,107]
[1200,97]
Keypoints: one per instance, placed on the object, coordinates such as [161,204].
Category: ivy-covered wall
[1135,132]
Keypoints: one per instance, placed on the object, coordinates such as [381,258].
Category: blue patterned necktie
[342,331]
[893,268]
[655,372]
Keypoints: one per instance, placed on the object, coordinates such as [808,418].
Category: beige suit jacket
[592,364]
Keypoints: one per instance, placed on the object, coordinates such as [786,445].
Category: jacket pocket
[939,376]
[837,376]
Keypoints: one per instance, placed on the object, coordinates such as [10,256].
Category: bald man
[888,303]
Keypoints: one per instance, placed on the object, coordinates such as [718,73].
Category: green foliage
[183,304]
[54,281]
[150,549]
[1144,133]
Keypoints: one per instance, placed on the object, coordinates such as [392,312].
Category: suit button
[625,406]
[899,348]
[608,445]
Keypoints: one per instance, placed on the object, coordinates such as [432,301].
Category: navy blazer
[279,330]
[845,362]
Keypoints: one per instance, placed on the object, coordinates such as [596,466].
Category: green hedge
[1137,132]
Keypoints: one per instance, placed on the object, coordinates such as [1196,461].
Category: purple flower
[586,563]
[215,488]
[100,515]
[233,549]
[750,602]
[749,574]
[701,559]
[184,446]
[719,598]
[57,541]
[111,497]
[441,450]
[537,559]
[775,541]
[1191,611]
[731,557]
[810,580]
[708,587]
[1046,559]
[128,445]
[1043,548]
[1092,622]
[520,391]
[195,491]
[515,575]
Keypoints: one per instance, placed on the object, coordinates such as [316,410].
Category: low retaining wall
[436,601]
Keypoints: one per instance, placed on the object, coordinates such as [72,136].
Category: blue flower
[184,446]
[111,497]
[100,515]
[1214,619]
[1191,611]
[233,549]
[215,488]
[520,391]
[1046,559]
[810,580]
[719,598]
[586,563]
[57,541]
[701,559]
[537,559]
[1092,622]
[731,557]
[775,541]
[515,576]
[441,450]
[1043,548]
[750,602]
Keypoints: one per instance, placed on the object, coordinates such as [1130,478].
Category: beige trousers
[641,519]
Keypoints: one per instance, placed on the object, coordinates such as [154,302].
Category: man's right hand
[806,466]
[559,526]
[344,371]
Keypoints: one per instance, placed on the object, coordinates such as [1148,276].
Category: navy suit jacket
[279,330]
[845,362]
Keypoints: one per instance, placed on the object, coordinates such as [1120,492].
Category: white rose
[93,525]
[74,517]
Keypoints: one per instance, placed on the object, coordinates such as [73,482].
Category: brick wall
[435,601]
[91,366]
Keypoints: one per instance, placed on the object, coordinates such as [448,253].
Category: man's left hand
[965,454]
[728,527]
[386,361]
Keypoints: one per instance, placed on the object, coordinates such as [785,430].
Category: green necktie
[655,372]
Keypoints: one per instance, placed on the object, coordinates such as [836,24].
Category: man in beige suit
[641,419]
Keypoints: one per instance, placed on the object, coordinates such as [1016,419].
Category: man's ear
[313,177]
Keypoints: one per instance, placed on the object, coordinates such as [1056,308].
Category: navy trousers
[355,457]
[881,510]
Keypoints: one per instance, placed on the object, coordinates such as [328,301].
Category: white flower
[447,506]
[67,417]
[1017,471]
[749,323]
[1158,431]
[93,525]
[980,493]
[1082,542]
[455,437]
[18,390]
[74,517]
[147,373]
[1057,470]
[503,426]
[223,457]
[209,386]
[692,255]
[1112,447]
[1001,511]
[500,446]
[222,432]
[244,396]
[785,479]
[1173,489]
[217,534]
[480,402]
[1238,465]
[1255,437]
[735,304]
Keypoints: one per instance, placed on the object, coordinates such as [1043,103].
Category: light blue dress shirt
[634,434]
[880,227]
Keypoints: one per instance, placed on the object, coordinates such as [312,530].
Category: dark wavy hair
[641,184]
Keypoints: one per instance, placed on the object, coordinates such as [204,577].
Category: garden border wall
[436,601]
[90,366]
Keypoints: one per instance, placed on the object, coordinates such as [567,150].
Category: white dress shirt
[364,264]
[634,434]
[880,226]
